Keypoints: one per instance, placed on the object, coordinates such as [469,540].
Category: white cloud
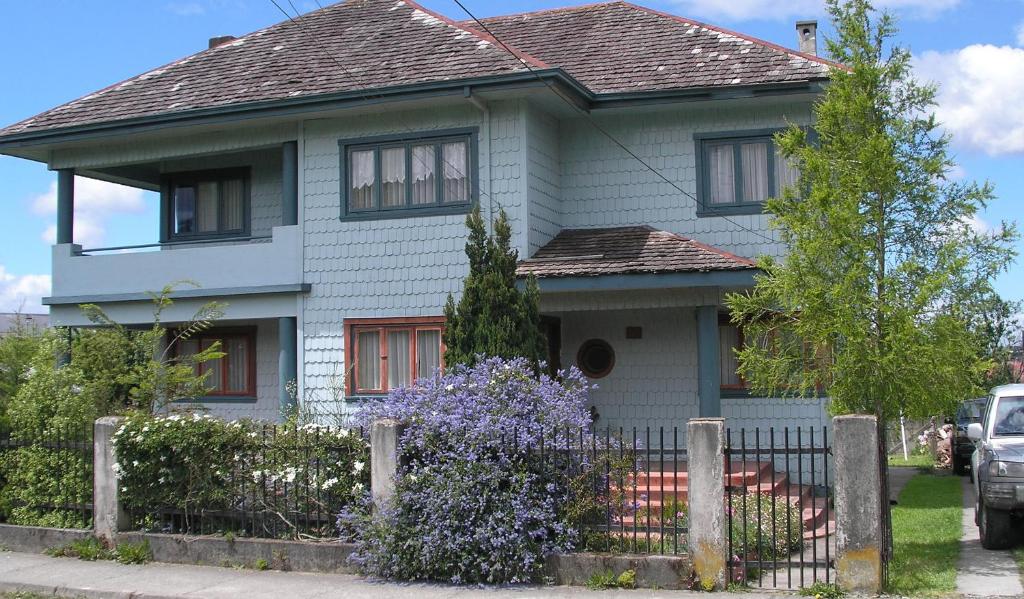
[186,9]
[981,95]
[23,293]
[95,202]
[979,225]
[773,10]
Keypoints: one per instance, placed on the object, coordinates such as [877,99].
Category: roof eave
[562,81]
[697,94]
[556,78]
[737,278]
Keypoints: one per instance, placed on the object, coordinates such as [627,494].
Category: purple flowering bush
[473,503]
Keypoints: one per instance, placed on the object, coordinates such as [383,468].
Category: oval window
[595,358]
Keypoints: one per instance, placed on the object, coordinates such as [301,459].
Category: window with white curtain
[741,172]
[414,174]
[207,204]
[392,353]
[234,373]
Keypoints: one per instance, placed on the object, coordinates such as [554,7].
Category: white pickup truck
[997,467]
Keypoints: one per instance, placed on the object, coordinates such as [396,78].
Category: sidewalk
[981,572]
[107,580]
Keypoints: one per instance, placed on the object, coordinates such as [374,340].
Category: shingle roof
[380,43]
[619,47]
[371,45]
[626,250]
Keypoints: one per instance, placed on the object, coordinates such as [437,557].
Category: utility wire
[596,125]
[365,96]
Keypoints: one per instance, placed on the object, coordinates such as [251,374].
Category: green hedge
[244,477]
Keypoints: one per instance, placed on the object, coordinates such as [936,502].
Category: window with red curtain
[234,374]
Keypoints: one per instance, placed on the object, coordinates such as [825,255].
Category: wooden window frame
[353,326]
[222,334]
[171,181]
[408,209]
[702,143]
[743,386]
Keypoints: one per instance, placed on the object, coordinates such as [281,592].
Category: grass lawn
[916,459]
[926,529]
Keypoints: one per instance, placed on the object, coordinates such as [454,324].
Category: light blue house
[315,175]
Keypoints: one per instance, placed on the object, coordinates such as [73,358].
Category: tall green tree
[493,316]
[874,300]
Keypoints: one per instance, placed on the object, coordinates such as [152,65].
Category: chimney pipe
[220,39]
[807,36]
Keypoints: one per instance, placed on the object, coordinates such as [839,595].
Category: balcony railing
[250,266]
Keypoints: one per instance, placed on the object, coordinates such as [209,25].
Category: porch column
[290,183]
[708,358]
[287,366]
[65,205]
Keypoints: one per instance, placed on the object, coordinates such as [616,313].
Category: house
[15,321]
[315,176]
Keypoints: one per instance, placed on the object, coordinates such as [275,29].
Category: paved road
[980,572]
[107,580]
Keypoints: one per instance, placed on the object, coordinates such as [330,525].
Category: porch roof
[627,251]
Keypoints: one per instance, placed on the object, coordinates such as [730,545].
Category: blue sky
[63,49]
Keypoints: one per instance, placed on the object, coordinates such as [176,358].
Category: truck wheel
[959,465]
[994,528]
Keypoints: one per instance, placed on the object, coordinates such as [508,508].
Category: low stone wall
[303,556]
[652,571]
[37,539]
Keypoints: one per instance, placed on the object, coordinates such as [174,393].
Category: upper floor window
[207,204]
[403,176]
[384,354]
[737,173]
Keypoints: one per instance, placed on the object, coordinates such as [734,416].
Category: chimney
[220,39]
[807,35]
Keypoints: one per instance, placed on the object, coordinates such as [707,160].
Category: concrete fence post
[109,517]
[858,497]
[384,435]
[707,542]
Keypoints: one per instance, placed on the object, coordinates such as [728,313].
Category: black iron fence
[626,488]
[46,476]
[284,482]
[779,506]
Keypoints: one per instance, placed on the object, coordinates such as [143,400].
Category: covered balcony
[228,231]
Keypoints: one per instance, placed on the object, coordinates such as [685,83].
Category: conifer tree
[493,316]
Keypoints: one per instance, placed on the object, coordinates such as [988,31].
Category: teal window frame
[169,182]
[408,210]
[704,141]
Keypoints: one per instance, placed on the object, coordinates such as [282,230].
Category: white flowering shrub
[248,478]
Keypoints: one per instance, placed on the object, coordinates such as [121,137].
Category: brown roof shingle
[618,47]
[626,250]
[370,45]
[352,45]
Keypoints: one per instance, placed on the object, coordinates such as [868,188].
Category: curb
[66,591]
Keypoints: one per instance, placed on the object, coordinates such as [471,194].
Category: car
[961,446]
[997,466]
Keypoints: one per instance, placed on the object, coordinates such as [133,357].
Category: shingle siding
[654,381]
[393,267]
[544,192]
[266,406]
[129,151]
[602,186]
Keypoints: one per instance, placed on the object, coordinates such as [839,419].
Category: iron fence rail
[46,476]
[766,464]
[275,488]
